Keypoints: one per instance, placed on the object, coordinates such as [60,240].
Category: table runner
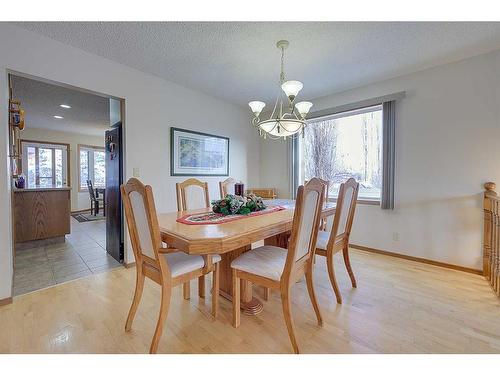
[205,218]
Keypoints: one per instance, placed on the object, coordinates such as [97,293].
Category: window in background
[45,164]
[341,146]
[91,166]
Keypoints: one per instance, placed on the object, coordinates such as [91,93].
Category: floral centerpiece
[238,205]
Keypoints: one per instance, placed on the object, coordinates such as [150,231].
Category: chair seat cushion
[181,263]
[322,239]
[266,261]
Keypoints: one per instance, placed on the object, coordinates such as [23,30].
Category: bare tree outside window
[343,147]
[92,167]
[44,164]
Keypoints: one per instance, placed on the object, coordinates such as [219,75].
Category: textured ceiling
[89,114]
[238,61]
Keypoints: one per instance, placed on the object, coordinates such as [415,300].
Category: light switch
[136,173]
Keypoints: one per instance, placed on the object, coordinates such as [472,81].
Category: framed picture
[198,154]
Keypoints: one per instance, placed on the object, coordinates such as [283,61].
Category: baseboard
[129,265]
[416,259]
[5,301]
[80,211]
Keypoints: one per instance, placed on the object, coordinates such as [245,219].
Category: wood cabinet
[41,213]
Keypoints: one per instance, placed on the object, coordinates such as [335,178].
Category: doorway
[66,169]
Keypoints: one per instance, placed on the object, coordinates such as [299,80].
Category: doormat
[85,216]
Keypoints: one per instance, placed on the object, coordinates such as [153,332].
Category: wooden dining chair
[266,193]
[227,186]
[331,242]
[275,267]
[151,261]
[323,222]
[191,195]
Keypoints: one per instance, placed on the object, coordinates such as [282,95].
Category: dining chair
[278,268]
[227,186]
[94,200]
[331,242]
[166,269]
[323,223]
[191,195]
[266,193]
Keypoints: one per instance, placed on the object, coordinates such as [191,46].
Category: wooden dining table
[231,239]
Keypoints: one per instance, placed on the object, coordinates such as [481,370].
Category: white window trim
[353,112]
[54,146]
[90,150]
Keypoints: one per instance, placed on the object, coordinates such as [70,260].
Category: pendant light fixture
[288,117]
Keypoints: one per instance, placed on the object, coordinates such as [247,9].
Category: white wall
[447,146]
[152,105]
[79,200]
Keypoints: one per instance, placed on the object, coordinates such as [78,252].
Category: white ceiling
[89,114]
[238,61]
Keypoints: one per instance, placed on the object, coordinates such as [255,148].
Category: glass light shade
[292,88]
[303,108]
[256,107]
[286,127]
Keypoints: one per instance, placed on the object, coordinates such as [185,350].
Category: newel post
[488,231]
[489,189]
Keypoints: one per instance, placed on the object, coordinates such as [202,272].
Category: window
[91,166]
[341,146]
[45,164]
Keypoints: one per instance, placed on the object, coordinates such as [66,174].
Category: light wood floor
[399,307]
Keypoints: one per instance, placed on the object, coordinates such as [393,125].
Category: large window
[45,164]
[341,146]
[91,166]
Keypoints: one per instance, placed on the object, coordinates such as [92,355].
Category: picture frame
[194,153]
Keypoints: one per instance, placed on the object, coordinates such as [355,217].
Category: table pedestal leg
[249,304]
[280,240]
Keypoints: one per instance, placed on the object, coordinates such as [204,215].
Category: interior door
[114,178]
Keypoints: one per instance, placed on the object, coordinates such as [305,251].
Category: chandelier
[287,118]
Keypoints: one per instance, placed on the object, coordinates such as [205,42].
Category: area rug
[85,216]
[213,218]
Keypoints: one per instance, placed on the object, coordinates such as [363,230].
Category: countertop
[40,188]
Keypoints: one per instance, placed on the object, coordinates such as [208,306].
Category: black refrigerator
[114,178]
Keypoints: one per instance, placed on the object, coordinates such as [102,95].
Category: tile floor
[83,254]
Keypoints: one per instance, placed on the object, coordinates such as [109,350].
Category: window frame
[82,147]
[296,151]
[25,143]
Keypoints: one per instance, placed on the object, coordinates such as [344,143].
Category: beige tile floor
[81,255]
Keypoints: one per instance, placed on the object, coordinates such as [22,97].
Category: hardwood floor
[399,306]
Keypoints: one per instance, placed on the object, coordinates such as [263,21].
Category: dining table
[233,238]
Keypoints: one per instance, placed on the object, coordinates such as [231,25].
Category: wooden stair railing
[491,241]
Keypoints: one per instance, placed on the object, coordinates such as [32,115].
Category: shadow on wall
[447,230]
[450,229]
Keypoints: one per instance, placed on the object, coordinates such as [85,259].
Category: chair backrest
[344,213]
[327,186]
[91,189]
[227,186]
[305,224]
[142,221]
[266,193]
[192,194]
